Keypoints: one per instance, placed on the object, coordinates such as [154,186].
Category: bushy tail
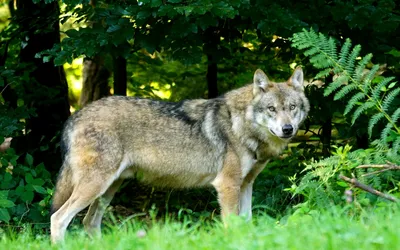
[63,190]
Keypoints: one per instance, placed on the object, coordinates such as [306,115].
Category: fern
[362,64]
[350,65]
[385,133]
[360,110]
[389,99]
[345,91]
[373,121]
[355,79]
[396,145]
[336,84]
[369,77]
[376,91]
[353,101]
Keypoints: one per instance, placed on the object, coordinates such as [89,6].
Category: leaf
[342,183]
[38,182]
[143,14]
[47,59]
[394,52]
[3,194]
[4,215]
[392,85]
[155,3]
[113,28]
[28,178]
[27,196]
[39,189]
[6,203]
[29,159]
[19,190]
[73,33]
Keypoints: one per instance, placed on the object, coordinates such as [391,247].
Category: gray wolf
[223,142]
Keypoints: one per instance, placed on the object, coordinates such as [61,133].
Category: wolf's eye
[272,109]
[292,107]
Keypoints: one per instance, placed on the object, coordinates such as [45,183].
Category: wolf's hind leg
[94,216]
[83,194]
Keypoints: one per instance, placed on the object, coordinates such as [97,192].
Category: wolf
[223,142]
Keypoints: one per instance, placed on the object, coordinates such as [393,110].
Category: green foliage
[25,190]
[371,94]
[321,186]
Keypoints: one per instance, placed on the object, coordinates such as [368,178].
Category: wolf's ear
[261,82]
[297,79]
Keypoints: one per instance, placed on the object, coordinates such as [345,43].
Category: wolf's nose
[287,129]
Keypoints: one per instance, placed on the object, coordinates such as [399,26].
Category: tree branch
[384,167]
[366,188]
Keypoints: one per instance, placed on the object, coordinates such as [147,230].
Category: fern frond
[321,61]
[362,64]
[373,121]
[304,39]
[331,48]
[390,98]
[353,101]
[395,116]
[344,52]
[328,46]
[361,109]
[368,92]
[323,73]
[385,133]
[336,84]
[379,87]
[351,61]
[345,91]
[396,146]
[311,51]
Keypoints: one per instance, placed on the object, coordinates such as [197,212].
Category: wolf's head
[278,109]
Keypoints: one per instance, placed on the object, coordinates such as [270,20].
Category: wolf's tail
[63,190]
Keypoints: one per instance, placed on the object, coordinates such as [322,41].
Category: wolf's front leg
[227,183]
[246,191]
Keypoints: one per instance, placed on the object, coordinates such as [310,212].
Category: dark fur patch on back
[176,110]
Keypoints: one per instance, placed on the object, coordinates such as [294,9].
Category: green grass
[378,229]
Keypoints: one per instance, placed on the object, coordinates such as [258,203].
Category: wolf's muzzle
[287,129]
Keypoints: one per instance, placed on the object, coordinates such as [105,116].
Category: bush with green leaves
[368,94]
[25,190]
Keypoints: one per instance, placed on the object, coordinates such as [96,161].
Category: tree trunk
[47,92]
[210,48]
[212,77]
[95,80]
[120,78]
[326,136]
